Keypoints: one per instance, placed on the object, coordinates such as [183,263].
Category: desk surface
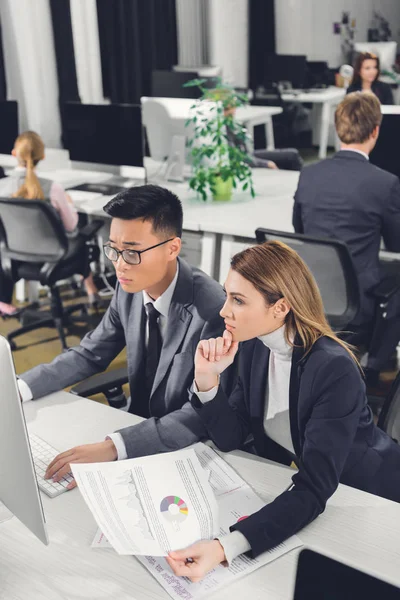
[179,108]
[272,207]
[330,94]
[357,528]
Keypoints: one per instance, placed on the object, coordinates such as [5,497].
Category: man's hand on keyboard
[61,464]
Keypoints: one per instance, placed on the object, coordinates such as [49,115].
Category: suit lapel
[294,388]
[179,318]
[258,380]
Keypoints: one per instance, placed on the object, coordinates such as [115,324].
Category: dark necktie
[153,347]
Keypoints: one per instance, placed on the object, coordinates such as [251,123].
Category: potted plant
[218,143]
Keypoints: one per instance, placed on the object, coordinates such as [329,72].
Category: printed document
[236,501]
[150,505]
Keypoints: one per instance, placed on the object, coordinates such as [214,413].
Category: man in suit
[348,198]
[160,310]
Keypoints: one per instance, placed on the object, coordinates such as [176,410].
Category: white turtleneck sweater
[276,415]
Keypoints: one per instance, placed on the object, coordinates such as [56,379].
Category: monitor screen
[322,578]
[385,154]
[169,84]
[317,73]
[109,134]
[285,67]
[386,51]
[9,125]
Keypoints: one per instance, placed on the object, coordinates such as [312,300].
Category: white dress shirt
[364,154]
[276,415]
[162,304]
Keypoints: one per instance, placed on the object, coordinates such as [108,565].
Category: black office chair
[332,266]
[389,418]
[35,247]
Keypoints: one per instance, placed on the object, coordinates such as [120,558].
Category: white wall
[228,39]
[306,26]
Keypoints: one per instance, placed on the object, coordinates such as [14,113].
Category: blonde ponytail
[29,149]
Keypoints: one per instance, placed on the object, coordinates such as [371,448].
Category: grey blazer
[193,315]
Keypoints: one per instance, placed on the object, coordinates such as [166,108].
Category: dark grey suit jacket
[193,315]
[349,199]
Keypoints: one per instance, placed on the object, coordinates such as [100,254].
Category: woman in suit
[301,395]
[24,183]
[366,78]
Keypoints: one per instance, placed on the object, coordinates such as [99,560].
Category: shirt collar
[355,150]
[163,302]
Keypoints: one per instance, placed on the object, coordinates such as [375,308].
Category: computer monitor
[170,84]
[385,154]
[8,125]
[109,134]
[322,578]
[317,73]
[386,51]
[286,67]
[19,491]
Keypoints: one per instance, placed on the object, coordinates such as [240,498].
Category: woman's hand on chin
[197,560]
[212,357]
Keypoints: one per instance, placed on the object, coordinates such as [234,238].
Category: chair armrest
[386,289]
[88,231]
[101,383]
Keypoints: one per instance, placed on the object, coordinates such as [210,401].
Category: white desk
[179,109]
[220,229]
[324,101]
[356,528]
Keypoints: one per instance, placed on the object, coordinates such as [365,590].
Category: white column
[191,36]
[85,34]
[228,26]
[30,65]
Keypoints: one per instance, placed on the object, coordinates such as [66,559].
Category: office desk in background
[214,231]
[356,528]
[179,110]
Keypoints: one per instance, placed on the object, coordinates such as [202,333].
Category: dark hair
[358,64]
[150,203]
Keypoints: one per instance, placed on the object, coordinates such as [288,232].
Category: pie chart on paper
[174,509]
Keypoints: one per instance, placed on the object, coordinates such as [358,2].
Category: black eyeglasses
[131,257]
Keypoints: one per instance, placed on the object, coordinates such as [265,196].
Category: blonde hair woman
[24,183]
[301,395]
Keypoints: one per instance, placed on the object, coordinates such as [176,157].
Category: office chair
[389,418]
[283,123]
[332,265]
[35,247]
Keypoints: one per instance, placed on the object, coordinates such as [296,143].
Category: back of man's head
[357,117]
[149,203]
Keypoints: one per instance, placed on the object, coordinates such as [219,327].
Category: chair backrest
[389,419]
[331,264]
[33,231]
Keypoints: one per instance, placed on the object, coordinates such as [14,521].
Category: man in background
[349,199]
